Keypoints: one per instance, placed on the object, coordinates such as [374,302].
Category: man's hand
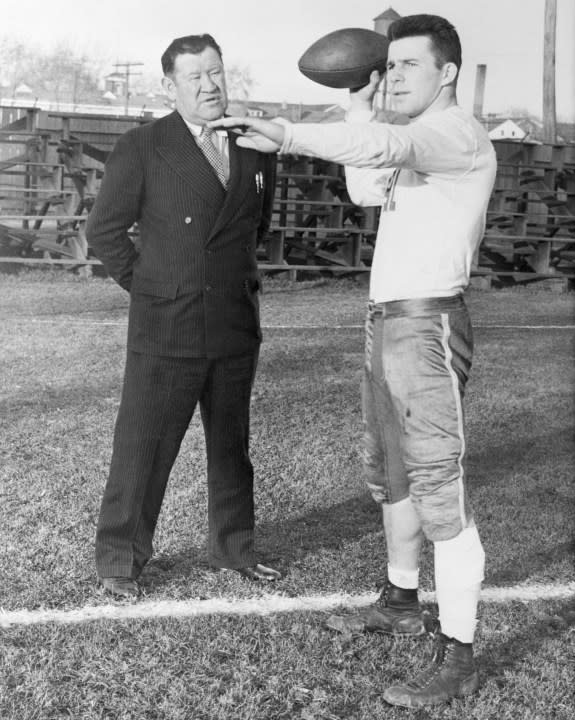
[262,135]
[362,98]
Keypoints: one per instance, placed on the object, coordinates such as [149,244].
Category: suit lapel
[243,166]
[180,150]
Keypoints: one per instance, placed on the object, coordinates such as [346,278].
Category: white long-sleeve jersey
[432,178]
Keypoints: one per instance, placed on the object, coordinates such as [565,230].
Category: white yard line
[493,326]
[265,605]
[488,326]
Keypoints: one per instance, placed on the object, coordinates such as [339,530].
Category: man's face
[198,86]
[413,79]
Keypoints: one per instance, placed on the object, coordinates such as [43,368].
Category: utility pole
[127,74]
[480,72]
[78,66]
[549,116]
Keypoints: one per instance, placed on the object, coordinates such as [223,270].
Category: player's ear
[450,72]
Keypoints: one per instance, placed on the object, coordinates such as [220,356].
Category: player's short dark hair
[194,44]
[440,31]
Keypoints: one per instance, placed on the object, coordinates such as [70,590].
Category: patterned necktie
[212,153]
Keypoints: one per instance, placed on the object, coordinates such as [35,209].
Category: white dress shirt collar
[196,131]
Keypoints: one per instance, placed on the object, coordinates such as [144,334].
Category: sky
[269,36]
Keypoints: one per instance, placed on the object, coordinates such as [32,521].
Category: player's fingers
[230,123]
[375,78]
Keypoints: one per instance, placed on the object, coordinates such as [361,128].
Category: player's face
[198,86]
[413,79]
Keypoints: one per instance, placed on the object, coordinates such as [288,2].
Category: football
[345,58]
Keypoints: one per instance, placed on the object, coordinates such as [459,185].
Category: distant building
[382,22]
[115,83]
[23,92]
[567,131]
[525,128]
[507,130]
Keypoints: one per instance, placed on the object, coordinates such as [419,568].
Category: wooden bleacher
[51,165]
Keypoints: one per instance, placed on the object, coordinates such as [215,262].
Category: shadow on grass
[286,542]
[75,397]
[498,660]
[517,454]
[163,568]
[537,459]
[515,572]
[321,528]
[330,528]
[289,541]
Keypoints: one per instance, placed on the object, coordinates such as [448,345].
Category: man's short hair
[194,44]
[443,36]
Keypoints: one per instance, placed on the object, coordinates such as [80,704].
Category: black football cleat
[451,674]
[396,612]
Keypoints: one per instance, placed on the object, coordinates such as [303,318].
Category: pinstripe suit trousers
[159,397]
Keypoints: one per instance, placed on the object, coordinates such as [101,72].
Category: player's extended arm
[268,135]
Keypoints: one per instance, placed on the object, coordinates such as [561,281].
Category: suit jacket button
[208,288]
[188,220]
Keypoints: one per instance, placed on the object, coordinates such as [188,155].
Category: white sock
[406,579]
[459,567]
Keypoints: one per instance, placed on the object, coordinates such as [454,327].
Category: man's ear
[450,73]
[169,88]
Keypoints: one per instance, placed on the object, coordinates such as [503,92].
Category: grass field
[61,364]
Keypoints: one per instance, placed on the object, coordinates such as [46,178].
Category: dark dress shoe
[259,572]
[120,587]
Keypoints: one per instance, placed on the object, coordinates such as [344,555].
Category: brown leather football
[345,58]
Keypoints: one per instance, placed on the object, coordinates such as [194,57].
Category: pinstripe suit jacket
[193,278]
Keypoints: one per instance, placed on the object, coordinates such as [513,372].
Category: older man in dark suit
[200,203]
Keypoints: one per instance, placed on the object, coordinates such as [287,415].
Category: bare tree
[61,74]
[15,60]
[64,76]
[239,82]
